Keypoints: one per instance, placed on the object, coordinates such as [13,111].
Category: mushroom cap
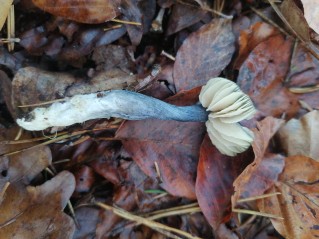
[228,106]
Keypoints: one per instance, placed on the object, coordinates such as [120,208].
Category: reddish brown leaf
[36,212]
[93,11]
[84,178]
[174,146]
[215,176]
[305,129]
[203,55]
[264,171]
[262,75]
[298,202]
[251,37]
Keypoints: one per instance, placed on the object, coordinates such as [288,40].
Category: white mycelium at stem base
[228,106]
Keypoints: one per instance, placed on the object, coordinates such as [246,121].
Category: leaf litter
[108,168]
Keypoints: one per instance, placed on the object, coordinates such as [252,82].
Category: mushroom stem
[116,103]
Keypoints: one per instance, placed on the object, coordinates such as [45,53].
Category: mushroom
[223,106]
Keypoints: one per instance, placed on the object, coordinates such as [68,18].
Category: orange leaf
[85,11]
[298,203]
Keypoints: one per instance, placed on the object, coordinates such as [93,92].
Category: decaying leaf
[203,55]
[261,174]
[251,37]
[299,137]
[23,166]
[298,200]
[311,10]
[31,85]
[36,212]
[215,176]
[173,146]
[183,16]
[295,18]
[262,74]
[93,11]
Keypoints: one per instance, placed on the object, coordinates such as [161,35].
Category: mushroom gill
[227,105]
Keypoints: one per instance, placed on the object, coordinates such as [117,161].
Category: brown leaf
[203,55]
[31,85]
[295,18]
[174,146]
[132,13]
[303,74]
[311,8]
[215,175]
[183,16]
[35,212]
[298,202]
[251,37]
[93,11]
[262,75]
[299,137]
[23,166]
[261,174]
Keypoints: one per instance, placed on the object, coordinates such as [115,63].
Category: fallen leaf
[23,166]
[298,137]
[298,202]
[215,175]
[262,74]
[173,146]
[264,171]
[4,11]
[250,38]
[93,11]
[36,212]
[303,73]
[32,85]
[84,178]
[87,219]
[295,18]
[203,55]
[132,13]
[183,16]
[311,10]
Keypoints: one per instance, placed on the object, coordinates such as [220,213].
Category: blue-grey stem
[135,106]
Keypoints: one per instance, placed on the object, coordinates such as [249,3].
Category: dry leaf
[295,18]
[4,11]
[203,55]
[298,202]
[36,212]
[173,146]
[299,137]
[215,176]
[311,10]
[92,11]
[261,174]
[262,74]
[250,38]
